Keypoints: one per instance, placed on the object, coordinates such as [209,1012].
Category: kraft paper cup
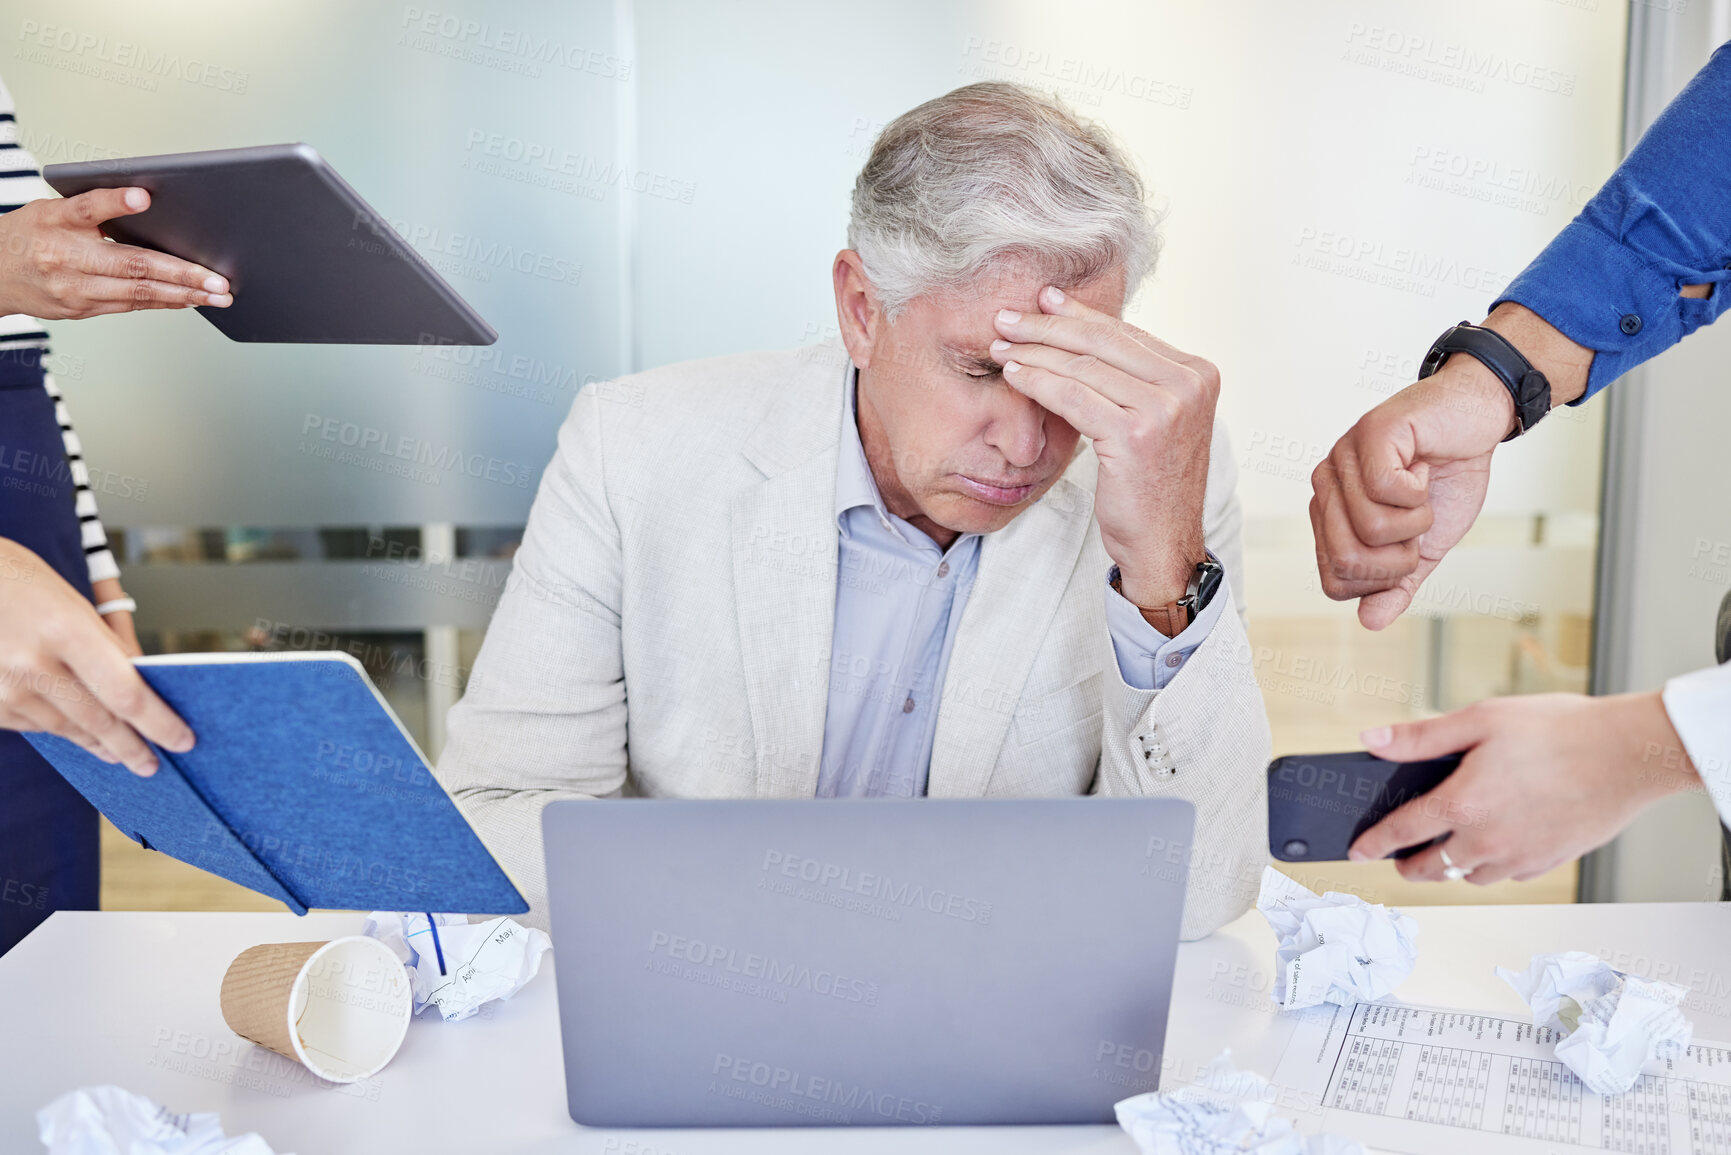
[341,1008]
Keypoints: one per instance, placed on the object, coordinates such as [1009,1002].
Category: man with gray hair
[896,568]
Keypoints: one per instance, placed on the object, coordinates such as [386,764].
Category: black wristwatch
[1529,387]
[1204,580]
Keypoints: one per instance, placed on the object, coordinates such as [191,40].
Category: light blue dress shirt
[898,604]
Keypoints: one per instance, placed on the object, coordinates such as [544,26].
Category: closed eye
[971,362]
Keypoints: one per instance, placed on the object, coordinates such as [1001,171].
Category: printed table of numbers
[1404,1074]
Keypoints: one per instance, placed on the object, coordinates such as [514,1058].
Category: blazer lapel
[1024,570]
[784,574]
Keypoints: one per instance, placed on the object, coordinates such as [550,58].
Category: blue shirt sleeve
[1147,658]
[1610,279]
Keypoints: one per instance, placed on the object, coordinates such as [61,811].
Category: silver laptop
[872,962]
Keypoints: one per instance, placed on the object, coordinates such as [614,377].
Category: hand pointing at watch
[1545,778]
[1406,483]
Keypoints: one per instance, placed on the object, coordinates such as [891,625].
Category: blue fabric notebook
[302,786]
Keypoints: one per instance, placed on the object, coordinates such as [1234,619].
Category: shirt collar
[854,484]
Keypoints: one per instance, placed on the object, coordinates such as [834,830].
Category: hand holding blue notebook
[302,786]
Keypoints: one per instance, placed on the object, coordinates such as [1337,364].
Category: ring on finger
[1450,871]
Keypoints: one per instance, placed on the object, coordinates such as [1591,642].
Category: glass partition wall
[619,185]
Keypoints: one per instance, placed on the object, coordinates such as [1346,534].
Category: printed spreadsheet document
[1410,1079]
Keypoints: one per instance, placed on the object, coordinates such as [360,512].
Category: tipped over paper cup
[341,1008]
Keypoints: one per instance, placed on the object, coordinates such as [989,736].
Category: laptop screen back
[877,962]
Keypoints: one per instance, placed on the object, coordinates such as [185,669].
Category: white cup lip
[390,960]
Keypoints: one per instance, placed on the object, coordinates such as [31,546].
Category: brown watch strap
[1169,619]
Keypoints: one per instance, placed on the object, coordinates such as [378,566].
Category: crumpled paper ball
[1334,948]
[1614,1023]
[1231,1112]
[107,1119]
[469,965]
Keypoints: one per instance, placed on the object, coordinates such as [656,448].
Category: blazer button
[1630,324]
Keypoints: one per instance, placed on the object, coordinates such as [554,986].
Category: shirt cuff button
[1630,324]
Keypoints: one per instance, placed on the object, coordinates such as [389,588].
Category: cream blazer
[666,631]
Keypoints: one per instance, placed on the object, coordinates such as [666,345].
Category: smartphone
[1319,803]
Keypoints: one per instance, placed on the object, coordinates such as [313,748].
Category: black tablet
[309,261]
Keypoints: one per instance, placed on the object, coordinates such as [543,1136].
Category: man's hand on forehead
[1081,363]
[1149,410]
[1065,331]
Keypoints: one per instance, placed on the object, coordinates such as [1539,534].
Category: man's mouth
[995,492]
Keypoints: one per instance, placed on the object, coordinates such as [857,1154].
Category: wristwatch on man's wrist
[1528,387]
[1172,619]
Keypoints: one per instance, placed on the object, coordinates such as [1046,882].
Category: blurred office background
[618,185]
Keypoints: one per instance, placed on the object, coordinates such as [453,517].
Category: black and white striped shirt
[20,183]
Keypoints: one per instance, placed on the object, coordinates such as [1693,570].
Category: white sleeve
[1699,705]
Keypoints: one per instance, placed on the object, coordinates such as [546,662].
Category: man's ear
[857,312]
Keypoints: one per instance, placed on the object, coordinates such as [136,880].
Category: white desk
[131,999]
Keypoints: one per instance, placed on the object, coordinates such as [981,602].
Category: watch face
[1432,361]
[1211,576]
[1206,580]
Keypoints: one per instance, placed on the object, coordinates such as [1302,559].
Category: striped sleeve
[96,552]
[20,183]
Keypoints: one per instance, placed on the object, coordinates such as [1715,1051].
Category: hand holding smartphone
[1319,803]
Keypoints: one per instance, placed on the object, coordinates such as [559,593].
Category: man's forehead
[967,317]
[969,322]
[1013,286]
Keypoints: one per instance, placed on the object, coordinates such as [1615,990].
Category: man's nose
[1018,429]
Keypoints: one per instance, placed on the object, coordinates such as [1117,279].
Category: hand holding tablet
[306,259]
[56,264]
